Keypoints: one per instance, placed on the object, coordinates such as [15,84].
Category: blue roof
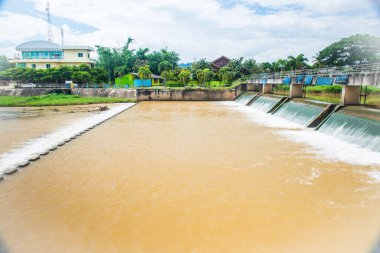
[39,45]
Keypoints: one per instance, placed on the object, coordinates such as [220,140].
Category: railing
[365,69]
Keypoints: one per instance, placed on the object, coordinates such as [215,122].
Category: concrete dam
[360,126]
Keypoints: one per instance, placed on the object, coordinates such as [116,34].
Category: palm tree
[208,74]
[200,76]
[144,73]
[225,74]
[184,76]
[282,63]
[317,61]
[164,68]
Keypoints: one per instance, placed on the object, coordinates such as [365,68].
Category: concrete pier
[267,88]
[296,90]
[350,95]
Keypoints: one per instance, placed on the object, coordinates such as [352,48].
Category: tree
[298,62]
[184,76]
[356,49]
[4,63]
[201,64]
[226,74]
[200,76]
[208,75]
[164,68]
[81,77]
[144,73]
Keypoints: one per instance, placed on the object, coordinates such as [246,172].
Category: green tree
[208,75]
[201,64]
[81,77]
[184,76]
[356,49]
[226,74]
[200,76]
[298,62]
[144,73]
[4,63]
[164,68]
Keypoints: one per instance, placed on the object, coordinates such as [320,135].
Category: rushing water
[364,132]
[299,112]
[264,103]
[246,97]
[190,177]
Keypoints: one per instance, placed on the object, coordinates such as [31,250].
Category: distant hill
[185,65]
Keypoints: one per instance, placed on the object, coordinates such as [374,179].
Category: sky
[263,30]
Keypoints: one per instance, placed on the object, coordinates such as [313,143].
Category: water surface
[188,177]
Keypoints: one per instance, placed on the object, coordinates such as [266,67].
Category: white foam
[324,146]
[261,117]
[49,141]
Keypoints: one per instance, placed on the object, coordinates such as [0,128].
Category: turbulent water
[192,177]
[299,112]
[364,132]
[264,103]
[246,97]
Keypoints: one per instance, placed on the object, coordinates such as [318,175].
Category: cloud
[265,30]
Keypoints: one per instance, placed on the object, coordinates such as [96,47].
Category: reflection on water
[188,177]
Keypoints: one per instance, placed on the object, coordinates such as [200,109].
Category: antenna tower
[50,32]
[62,35]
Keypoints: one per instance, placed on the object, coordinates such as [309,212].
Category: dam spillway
[301,113]
[191,177]
[265,103]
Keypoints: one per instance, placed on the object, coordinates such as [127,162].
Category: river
[190,177]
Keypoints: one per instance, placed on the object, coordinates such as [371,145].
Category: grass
[57,99]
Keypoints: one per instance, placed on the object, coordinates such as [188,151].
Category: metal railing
[365,69]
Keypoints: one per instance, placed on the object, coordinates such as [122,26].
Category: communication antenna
[50,32]
[62,35]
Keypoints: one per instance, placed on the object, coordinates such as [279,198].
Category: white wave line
[42,145]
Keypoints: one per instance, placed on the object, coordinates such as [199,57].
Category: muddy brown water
[187,177]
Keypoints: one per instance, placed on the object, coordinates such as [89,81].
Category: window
[80,55]
[48,66]
[88,55]
[33,66]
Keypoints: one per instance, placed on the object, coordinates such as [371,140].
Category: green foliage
[184,76]
[81,74]
[57,99]
[4,63]
[120,61]
[126,79]
[199,65]
[144,72]
[356,49]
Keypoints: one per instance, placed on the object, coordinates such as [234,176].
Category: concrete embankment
[135,94]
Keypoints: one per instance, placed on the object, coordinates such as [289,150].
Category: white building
[45,54]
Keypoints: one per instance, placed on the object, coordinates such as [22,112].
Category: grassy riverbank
[57,99]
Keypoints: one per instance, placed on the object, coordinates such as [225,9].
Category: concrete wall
[186,95]
[135,94]
[112,93]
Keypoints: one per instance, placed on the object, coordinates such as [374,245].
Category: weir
[347,126]
[265,103]
[298,112]
[33,149]
[355,125]
[246,97]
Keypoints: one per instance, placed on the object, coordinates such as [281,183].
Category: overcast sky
[265,30]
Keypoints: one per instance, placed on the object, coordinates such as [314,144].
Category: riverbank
[57,100]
